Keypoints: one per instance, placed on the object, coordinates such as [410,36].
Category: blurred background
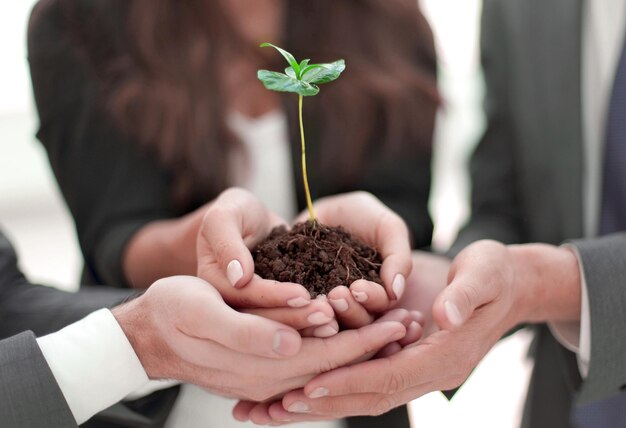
[34,216]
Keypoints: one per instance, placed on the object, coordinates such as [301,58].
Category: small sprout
[301,78]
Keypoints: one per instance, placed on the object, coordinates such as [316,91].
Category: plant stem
[304,175]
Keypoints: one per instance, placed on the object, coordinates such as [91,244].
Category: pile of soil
[317,256]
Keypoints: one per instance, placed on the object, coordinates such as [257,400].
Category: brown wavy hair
[159,62]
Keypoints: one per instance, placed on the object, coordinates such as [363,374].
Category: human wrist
[547,283]
[162,248]
[135,321]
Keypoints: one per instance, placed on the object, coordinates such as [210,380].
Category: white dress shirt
[604,24]
[93,363]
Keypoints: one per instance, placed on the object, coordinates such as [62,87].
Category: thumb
[456,304]
[236,221]
[207,316]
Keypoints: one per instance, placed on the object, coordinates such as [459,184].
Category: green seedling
[301,78]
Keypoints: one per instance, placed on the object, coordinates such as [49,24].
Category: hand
[182,329]
[427,279]
[370,220]
[235,222]
[491,289]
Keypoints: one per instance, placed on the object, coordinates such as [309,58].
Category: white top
[604,25]
[268,172]
[93,363]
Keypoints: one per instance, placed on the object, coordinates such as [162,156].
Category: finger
[264,293]
[384,375]
[419,317]
[393,236]
[206,316]
[456,303]
[316,314]
[322,331]
[349,312]
[327,330]
[414,333]
[298,407]
[400,315]
[345,347]
[389,350]
[279,415]
[231,225]
[259,414]
[370,295]
[242,409]
[413,329]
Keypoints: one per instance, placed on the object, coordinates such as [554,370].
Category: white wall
[31,211]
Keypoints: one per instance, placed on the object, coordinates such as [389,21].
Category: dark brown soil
[317,256]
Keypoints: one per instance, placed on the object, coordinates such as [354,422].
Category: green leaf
[290,59]
[283,83]
[323,73]
[304,63]
[290,72]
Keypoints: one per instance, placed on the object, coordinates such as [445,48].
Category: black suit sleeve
[403,184]
[29,396]
[43,310]
[111,188]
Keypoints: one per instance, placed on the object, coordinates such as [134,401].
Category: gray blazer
[527,176]
[29,395]
[25,306]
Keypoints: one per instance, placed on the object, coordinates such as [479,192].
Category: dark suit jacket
[43,310]
[113,187]
[527,180]
[29,395]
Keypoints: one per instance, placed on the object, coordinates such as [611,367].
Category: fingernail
[359,296]
[298,302]
[339,305]
[318,318]
[299,407]
[286,343]
[321,297]
[452,313]
[234,272]
[319,392]
[324,331]
[398,285]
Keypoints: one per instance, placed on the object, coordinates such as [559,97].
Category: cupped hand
[474,311]
[367,218]
[235,222]
[182,329]
[257,412]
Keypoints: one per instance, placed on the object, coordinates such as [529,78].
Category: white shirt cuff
[576,336]
[93,363]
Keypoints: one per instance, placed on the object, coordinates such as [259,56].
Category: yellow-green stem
[304,175]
